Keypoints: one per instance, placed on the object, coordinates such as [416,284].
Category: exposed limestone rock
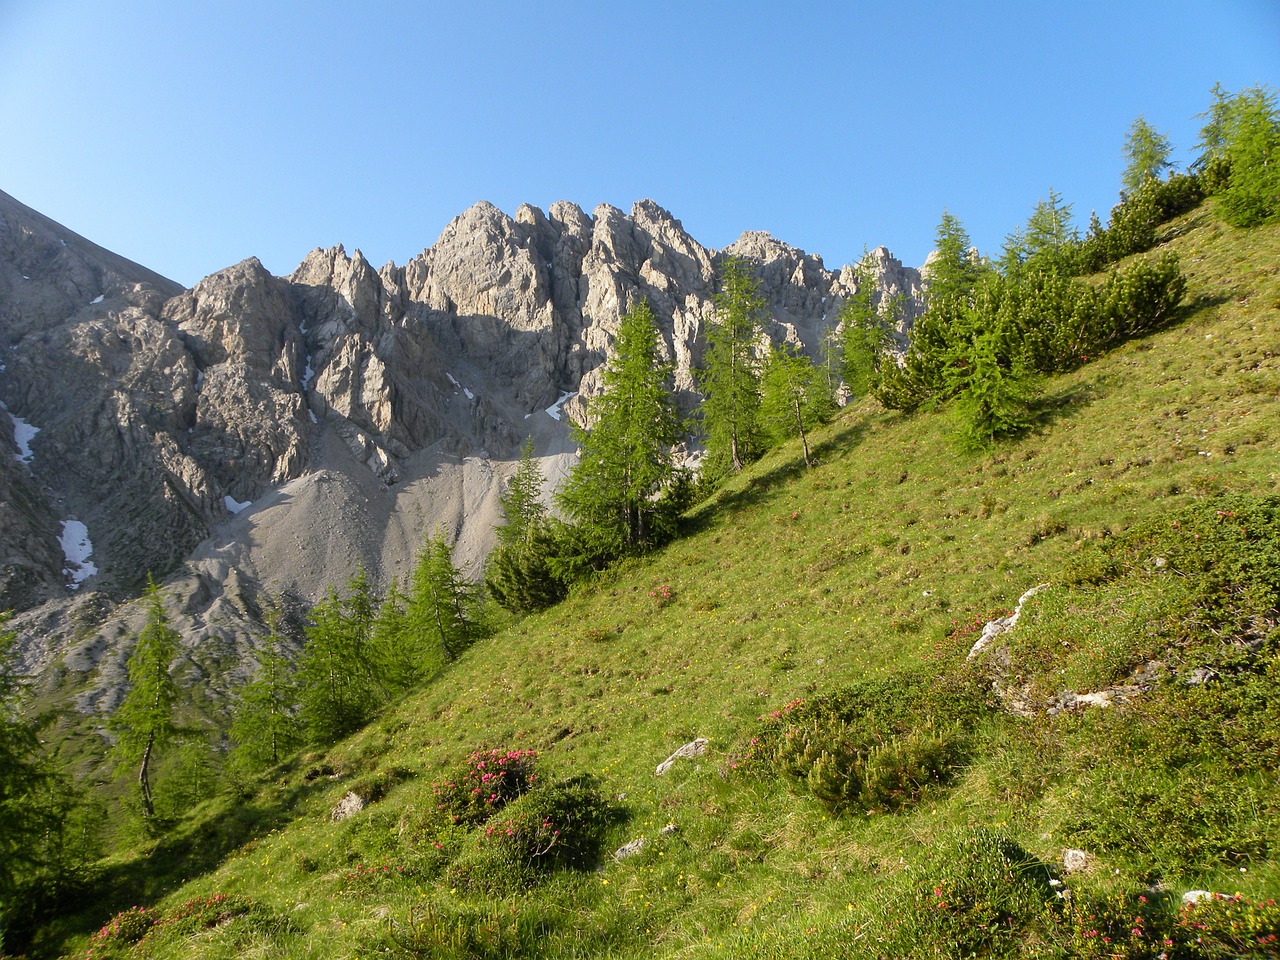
[1001,625]
[629,849]
[694,748]
[350,804]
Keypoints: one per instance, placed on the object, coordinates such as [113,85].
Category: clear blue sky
[188,136]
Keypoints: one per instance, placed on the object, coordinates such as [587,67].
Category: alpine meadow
[895,615]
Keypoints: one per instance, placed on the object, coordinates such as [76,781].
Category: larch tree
[795,398]
[626,462]
[1146,153]
[143,722]
[730,377]
[265,725]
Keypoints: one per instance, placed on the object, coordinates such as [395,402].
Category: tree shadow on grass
[187,851]
[761,486]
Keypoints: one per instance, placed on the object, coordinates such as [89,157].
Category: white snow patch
[455,383]
[23,433]
[77,548]
[307,374]
[199,380]
[234,506]
[312,415]
[470,395]
[99,298]
[553,411]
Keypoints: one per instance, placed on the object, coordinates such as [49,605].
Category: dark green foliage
[443,612]
[523,511]
[626,460]
[994,402]
[483,784]
[143,722]
[1147,152]
[955,267]
[523,575]
[1252,193]
[557,825]
[794,397]
[730,377]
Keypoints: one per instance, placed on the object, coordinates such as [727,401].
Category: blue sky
[188,136]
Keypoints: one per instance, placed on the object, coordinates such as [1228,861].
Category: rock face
[258,433]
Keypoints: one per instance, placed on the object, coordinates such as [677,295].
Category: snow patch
[23,433]
[99,298]
[307,374]
[553,411]
[470,395]
[312,415]
[77,548]
[234,506]
[199,380]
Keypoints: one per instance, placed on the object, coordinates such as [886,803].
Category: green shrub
[982,895]
[484,784]
[557,825]
[877,744]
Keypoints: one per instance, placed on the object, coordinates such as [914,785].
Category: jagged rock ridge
[257,432]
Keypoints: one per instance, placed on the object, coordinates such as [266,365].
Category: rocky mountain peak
[261,434]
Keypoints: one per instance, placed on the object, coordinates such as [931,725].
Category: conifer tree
[143,722]
[730,378]
[1147,152]
[520,571]
[1049,231]
[438,621]
[522,507]
[794,397]
[626,461]
[265,725]
[337,676]
[24,782]
[953,270]
[864,331]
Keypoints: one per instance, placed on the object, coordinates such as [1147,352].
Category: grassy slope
[792,583]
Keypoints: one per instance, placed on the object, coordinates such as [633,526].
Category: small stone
[669,829]
[629,849]
[348,806]
[694,748]
[1195,896]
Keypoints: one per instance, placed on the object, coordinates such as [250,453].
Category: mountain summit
[263,433]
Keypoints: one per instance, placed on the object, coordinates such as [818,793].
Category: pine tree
[265,725]
[730,377]
[143,722]
[1147,152]
[626,461]
[794,397]
[519,572]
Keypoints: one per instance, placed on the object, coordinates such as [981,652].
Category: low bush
[557,825]
[878,744]
[485,783]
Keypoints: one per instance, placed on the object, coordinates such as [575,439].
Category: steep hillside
[258,434]
[803,610]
